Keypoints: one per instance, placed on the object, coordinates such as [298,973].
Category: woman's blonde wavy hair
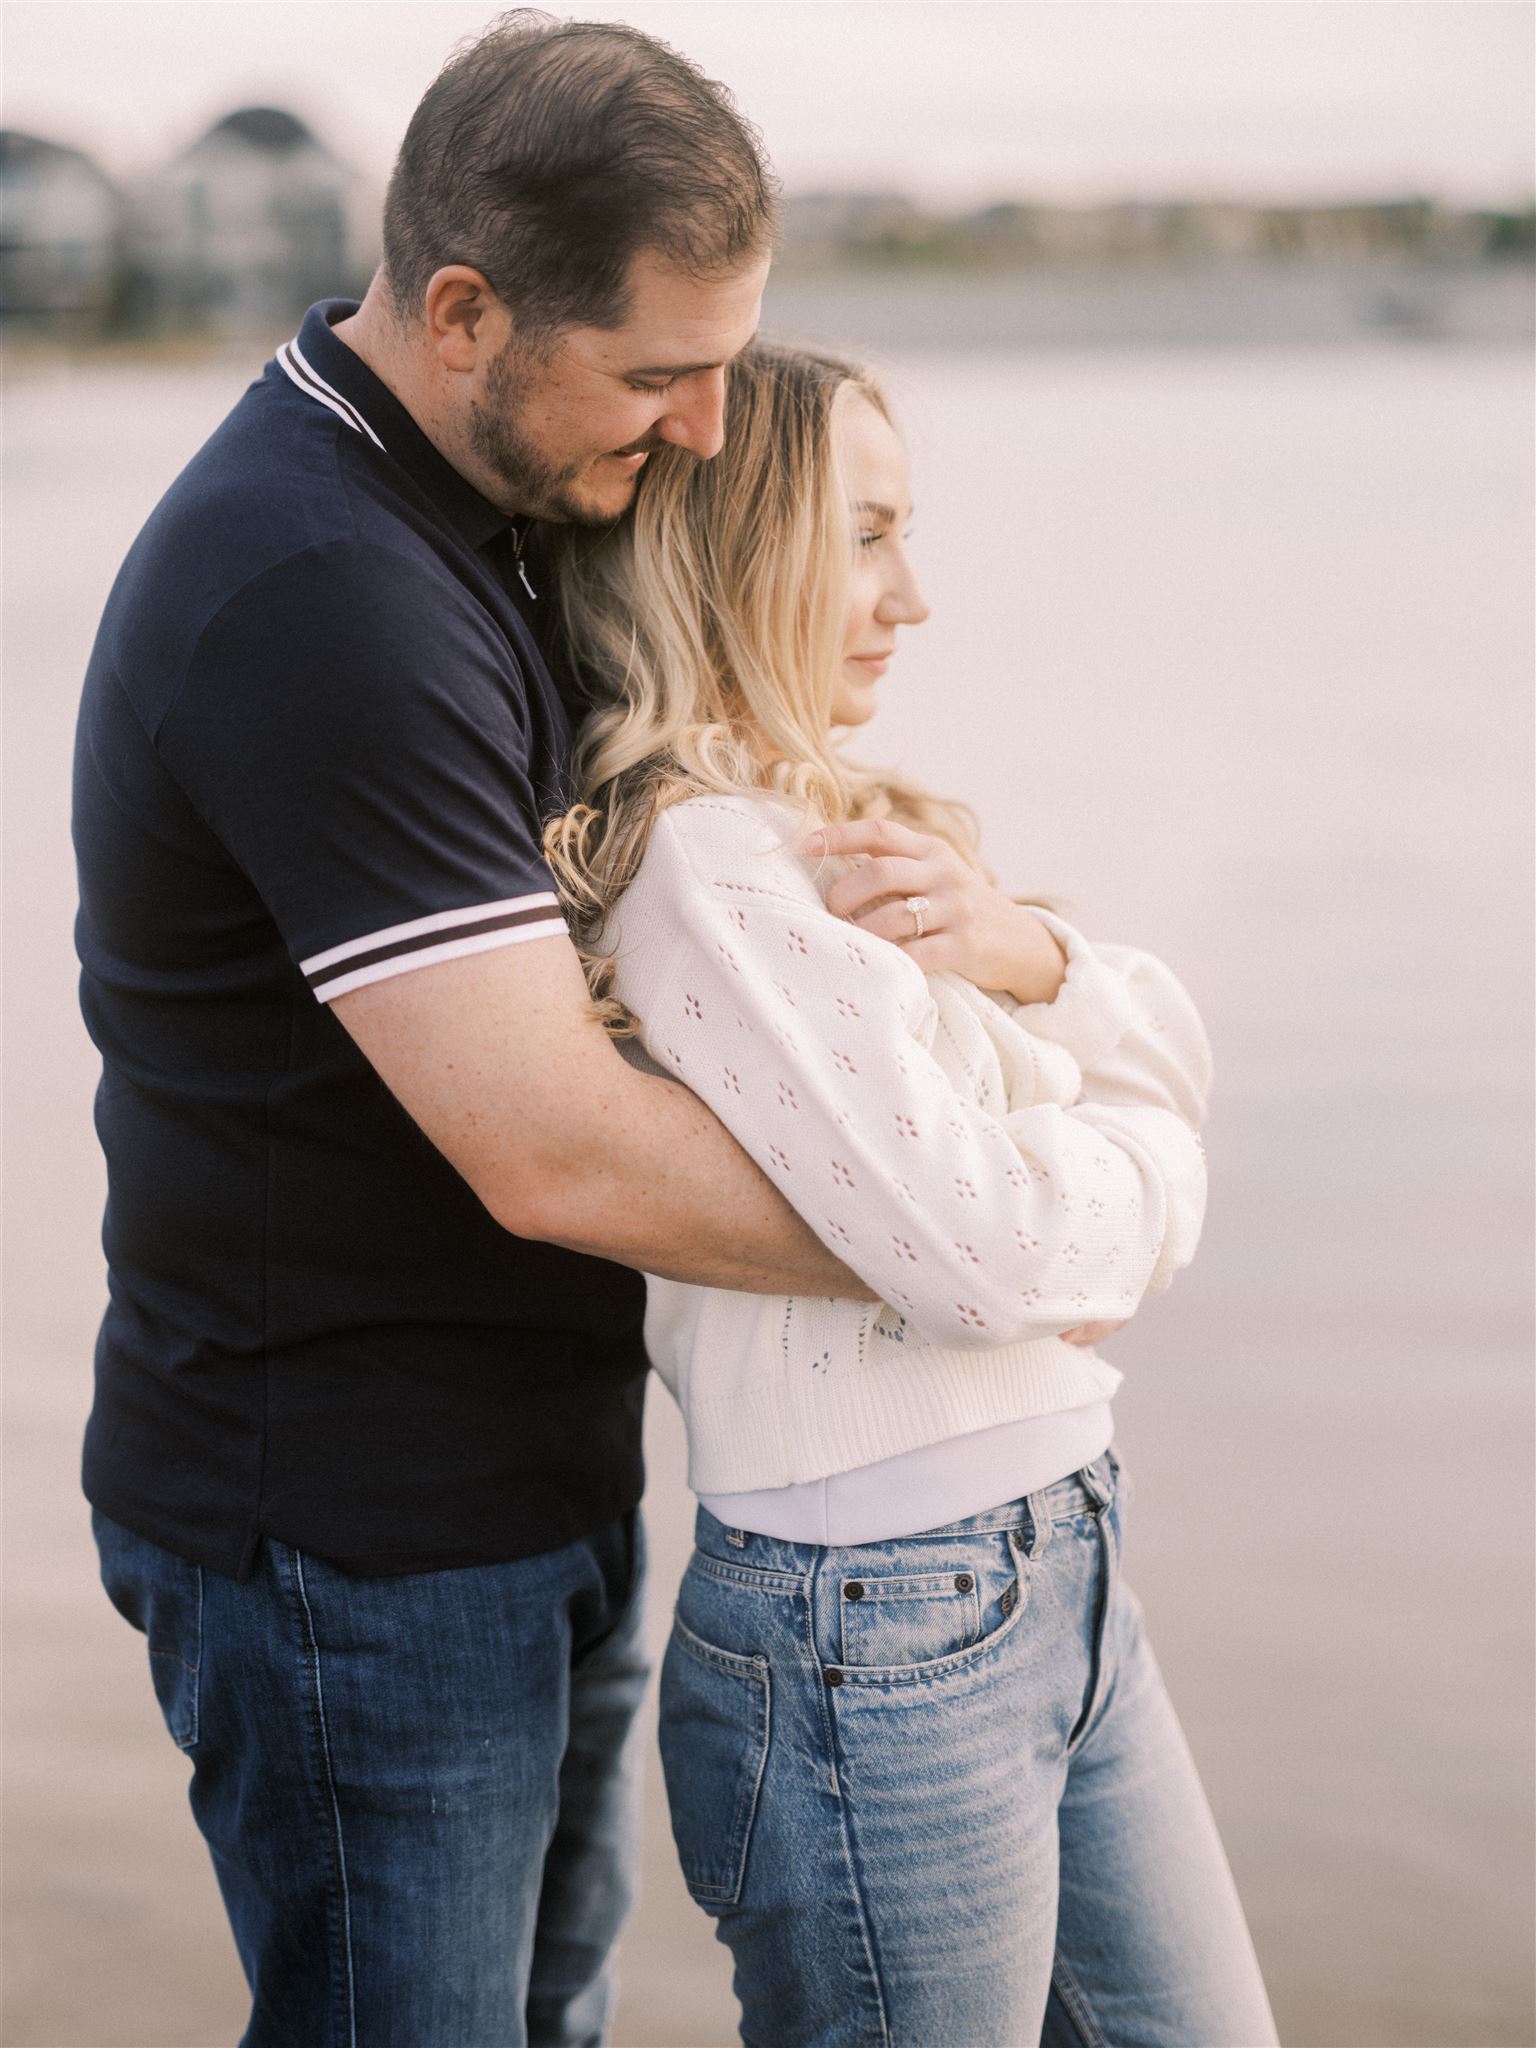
[707,629]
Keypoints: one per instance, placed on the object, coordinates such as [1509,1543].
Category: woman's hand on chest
[968,927]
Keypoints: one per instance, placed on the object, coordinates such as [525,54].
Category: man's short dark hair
[547,153]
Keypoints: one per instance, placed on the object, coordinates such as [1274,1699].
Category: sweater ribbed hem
[753,1438]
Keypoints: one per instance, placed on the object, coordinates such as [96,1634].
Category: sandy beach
[1231,650]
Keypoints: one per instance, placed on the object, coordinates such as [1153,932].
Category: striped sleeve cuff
[424,941]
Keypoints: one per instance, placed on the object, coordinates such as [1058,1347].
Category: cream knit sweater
[998,1172]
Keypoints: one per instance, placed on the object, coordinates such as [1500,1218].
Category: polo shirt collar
[335,376]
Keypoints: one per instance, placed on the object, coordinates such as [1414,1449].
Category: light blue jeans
[935,1795]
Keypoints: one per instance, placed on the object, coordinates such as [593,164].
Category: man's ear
[460,309]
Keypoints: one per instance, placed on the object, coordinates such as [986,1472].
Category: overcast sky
[952,100]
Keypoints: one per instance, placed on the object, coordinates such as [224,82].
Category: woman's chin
[855,704]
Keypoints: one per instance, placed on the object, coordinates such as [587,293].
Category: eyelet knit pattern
[998,1172]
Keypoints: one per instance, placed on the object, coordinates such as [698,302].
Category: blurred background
[1211,327]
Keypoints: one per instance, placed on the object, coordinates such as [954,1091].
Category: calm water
[1233,651]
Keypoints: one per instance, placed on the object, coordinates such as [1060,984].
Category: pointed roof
[272,130]
[20,152]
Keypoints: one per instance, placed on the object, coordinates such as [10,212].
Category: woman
[921,1765]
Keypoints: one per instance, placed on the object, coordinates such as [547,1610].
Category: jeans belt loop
[1039,1524]
[1102,1491]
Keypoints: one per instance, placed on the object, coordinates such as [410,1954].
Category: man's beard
[534,485]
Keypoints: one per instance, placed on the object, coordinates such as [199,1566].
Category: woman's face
[883,594]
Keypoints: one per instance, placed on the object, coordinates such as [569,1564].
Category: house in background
[245,228]
[60,234]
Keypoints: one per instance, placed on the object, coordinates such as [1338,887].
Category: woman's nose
[903,604]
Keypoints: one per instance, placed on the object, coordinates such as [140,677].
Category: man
[365,1446]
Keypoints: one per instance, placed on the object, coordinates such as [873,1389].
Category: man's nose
[696,419]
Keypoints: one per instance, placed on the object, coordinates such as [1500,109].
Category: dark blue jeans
[419,1792]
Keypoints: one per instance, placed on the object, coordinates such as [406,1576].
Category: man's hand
[499,1060]
[969,927]
[1092,1333]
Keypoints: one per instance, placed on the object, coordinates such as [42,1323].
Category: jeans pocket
[909,1617]
[715,1711]
[162,1596]
[910,1630]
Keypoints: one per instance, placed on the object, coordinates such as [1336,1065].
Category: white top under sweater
[998,1172]
[927,1488]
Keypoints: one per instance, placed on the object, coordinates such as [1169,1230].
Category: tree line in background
[258,218]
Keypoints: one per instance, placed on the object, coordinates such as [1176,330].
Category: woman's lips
[875,663]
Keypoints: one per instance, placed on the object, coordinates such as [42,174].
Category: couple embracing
[503,980]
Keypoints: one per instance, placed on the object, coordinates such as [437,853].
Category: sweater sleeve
[1141,1046]
[1128,1021]
[813,1044]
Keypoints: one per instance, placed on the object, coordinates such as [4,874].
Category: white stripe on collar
[292,362]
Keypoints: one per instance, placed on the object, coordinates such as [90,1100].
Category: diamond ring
[917,905]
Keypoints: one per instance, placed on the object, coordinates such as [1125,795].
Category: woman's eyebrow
[887,513]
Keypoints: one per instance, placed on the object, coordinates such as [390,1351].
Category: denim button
[853,1590]
[834,1676]
[963,1582]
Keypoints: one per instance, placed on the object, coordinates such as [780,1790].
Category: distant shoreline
[1200,303]
[1206,302]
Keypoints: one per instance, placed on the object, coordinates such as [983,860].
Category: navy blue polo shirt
[317,743]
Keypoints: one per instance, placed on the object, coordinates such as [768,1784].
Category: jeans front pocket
[162,1596]
[909,1618]
[715,1713]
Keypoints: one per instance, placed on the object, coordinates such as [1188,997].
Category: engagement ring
[917,905]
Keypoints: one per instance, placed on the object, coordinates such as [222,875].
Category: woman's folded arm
[807,1040]
[1128,1021]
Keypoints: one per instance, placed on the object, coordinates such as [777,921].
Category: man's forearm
[669,1191]
[500,1062]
